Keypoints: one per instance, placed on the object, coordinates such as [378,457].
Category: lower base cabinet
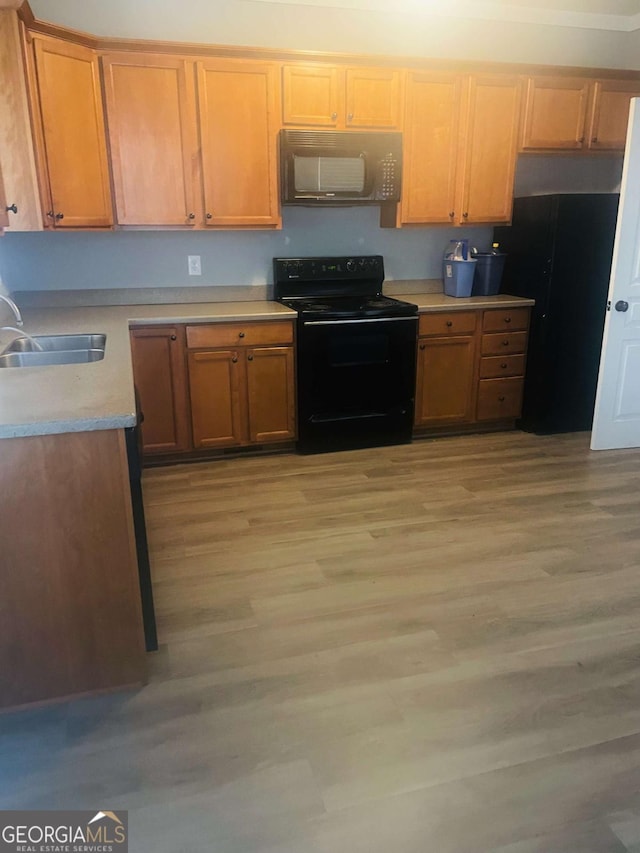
[241,394]
[470,368]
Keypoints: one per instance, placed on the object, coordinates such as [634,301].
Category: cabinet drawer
[239,334]
[500,398]
[505,343]
[496,366]
[512,319]
[452,323]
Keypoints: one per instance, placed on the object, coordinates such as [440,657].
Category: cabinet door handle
[174,337]
[235,359]
[12,208]
[192,216]
[350,117]
[423,346]
[209,216]
[59,216]
[50,214]
[241,334]
[465,215]
[249,358]
[452,213]
[594,140]
[501,399]
[334,116]
[581,140]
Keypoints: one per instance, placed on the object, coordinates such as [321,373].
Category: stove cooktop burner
[342,307]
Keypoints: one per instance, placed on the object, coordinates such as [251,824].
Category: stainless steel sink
[40,350]
[58,343]
[39,359]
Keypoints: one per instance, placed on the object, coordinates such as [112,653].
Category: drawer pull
[507,319]
[504,365]
[449,323]
[241,334]
[501,399]
[505,343]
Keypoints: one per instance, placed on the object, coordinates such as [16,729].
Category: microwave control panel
[387,179]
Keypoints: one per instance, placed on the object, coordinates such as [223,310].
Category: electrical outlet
[194,265]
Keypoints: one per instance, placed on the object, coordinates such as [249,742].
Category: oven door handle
[357,322]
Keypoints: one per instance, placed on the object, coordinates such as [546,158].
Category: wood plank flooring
[432,648]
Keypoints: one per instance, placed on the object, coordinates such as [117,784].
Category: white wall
[245,22]
[83,260]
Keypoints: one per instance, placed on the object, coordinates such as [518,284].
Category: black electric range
[356,352]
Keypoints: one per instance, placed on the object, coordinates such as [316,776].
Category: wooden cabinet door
[430,147]
[17,160]
[159,374]
[271,393]
[151,114]
[491,130]
[555,113]
[445,382]
[311,95]
[238,126]
[373,98]
[4,210]
[70,101]
[610,114]
[216,383]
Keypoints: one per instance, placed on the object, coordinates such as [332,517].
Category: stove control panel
[329,269]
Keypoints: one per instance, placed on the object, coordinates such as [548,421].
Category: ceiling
[617,15]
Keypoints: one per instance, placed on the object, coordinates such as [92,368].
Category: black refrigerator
[559,250]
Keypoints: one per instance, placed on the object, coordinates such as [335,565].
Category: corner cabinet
[241,382]
[70,135]
[461,138]
[159,372]
[20,208]
[193,143]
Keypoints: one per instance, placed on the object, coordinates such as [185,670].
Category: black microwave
[340,167]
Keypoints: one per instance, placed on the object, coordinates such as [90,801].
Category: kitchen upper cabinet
[238,104]
[73,155]
[554,113]
[151,115]
[159,371]
[490,153]
[4,208]
[460,139]
[340,97]
[431,133]
[609,114]
[20,206]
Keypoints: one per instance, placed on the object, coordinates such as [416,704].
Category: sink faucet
[14,308]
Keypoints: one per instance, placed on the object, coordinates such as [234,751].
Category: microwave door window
[329,175]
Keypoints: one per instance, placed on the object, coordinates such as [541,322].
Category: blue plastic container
[458,276]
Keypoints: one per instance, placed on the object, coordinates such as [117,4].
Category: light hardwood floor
[432,648]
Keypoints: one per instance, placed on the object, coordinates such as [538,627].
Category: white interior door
[617,411]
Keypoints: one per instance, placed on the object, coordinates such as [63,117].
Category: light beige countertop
[436,302]
[99,395]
